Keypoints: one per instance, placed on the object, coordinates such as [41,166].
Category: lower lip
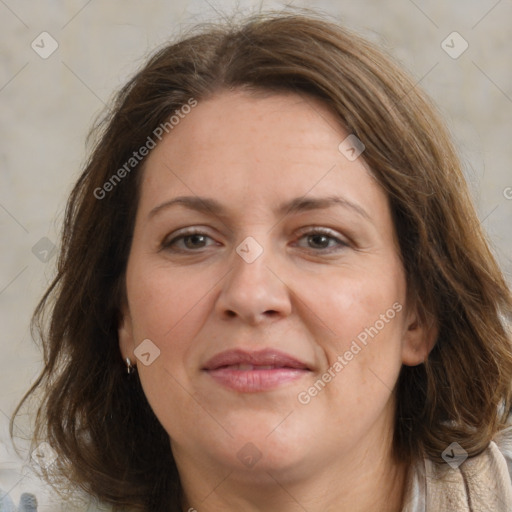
[252,381]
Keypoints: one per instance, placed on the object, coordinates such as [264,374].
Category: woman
[274,236]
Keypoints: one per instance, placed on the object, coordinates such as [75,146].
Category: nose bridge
[251,290]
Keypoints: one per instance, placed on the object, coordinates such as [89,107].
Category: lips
[263,359]
[254,371]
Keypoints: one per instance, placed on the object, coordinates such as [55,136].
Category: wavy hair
[98,419]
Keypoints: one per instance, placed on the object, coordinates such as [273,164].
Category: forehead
[234,123]
[250,149]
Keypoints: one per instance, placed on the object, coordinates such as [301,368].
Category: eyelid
[342,240]
[317,228]
[183,232]
[308,230]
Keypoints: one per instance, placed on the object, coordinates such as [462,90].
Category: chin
[258,447]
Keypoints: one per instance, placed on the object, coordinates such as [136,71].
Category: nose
[253,291]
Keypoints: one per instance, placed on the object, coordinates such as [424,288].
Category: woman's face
[267,306]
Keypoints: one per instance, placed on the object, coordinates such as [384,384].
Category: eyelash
[315,231]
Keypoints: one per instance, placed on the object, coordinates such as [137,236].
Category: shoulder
[503,442]
[475,484]
[487,477]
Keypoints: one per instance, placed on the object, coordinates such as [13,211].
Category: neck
[362,481]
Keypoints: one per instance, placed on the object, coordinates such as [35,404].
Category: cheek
[167,307]
[346,301]
[359,325]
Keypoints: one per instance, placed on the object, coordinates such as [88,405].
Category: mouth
[250,372]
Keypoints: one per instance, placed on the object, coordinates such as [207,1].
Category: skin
[306,295]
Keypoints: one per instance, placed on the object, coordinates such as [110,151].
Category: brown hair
[99,421]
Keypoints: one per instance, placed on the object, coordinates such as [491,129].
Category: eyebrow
[297,205]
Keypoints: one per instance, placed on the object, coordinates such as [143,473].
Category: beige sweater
[480,484]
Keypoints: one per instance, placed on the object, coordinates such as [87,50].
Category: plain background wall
[48,104]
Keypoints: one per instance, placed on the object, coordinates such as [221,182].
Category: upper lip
[265,357]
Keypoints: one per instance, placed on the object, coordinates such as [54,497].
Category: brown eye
[321,240]
[191,241]
[318,241]
[194,241]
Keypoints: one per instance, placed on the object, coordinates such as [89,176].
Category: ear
[419,338]
[125,334]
